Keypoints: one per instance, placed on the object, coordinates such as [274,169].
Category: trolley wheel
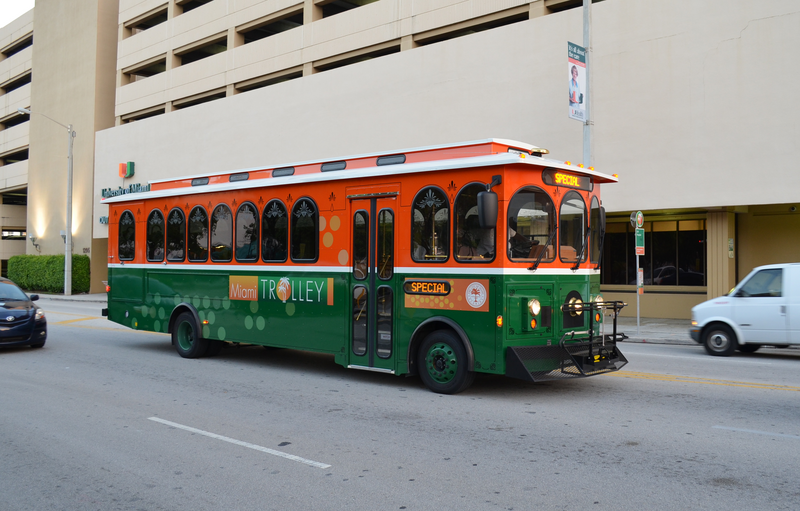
[720,341]
[748,348]
[186,337]
[442,362]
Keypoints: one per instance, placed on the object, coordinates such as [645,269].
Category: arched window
[573,227]
[596,230]
[127,236]
[247,233]
[274,233]
[472,243]
[176,236]
[221,234]
[531,225]
[430,226]
[155,236]
[197,241]
[305,230]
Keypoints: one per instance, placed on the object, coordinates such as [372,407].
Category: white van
[764,309]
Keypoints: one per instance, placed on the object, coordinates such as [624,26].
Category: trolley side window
[430,226]
[221,234]
[531,225]
[198,235]
[274,233]
[305,231]
[127,236]
[176,235]
[155,236]
[573,227]
[472,243]
[247,233]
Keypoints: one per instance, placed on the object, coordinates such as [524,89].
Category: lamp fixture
[33,242]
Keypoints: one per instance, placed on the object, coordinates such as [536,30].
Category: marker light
[499,321]
[205,321]
[580,165]
[597,317]
[534,307]
[615,175]
[533,324]
[591,168]
[108,289]
[567,163]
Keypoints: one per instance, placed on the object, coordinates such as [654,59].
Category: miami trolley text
[441,261]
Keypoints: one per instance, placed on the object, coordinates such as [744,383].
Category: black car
[21,322]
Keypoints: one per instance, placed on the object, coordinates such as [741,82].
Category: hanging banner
[577,81]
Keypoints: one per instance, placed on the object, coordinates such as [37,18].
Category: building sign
[126,170]
[577,81]
[134,188]
[557,178]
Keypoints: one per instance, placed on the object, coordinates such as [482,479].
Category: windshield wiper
[544,250]
[583,249]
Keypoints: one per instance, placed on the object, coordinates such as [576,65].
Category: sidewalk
[83,297]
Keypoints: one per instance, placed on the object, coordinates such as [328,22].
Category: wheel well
[713,324]
[180,309]
[432,325]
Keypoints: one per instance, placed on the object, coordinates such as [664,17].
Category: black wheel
[442,362]
[186,337]
[780,346]
[748,348]
[719,341]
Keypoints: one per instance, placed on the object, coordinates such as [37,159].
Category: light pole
[68,239]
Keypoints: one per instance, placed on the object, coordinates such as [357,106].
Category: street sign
[639,241]
[639,219]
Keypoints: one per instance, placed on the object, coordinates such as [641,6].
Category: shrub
[46,273]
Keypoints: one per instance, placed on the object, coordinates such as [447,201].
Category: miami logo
[284,289]
[476,295]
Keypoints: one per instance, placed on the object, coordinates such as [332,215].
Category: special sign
[558,178]
[455,294]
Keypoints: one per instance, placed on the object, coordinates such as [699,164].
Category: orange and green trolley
[442,261]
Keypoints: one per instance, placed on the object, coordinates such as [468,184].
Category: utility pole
[587,44]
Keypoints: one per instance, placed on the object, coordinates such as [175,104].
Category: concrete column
[721,252]
[308,69]
[407,43]
[235,39]
[173,60]
[537,8]
[311,12]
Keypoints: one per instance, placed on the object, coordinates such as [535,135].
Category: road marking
[704,381]
[756,432]
[267,450]
[73,320]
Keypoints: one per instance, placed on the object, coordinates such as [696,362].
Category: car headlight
[534,307]
[39,314]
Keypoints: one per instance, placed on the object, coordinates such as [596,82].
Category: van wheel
[720,341]
[749,348]
[443,365]
[186,337]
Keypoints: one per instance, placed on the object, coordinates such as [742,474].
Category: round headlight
[534,307]
[599,299]
[576,304]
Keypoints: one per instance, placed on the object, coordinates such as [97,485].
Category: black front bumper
[25,334]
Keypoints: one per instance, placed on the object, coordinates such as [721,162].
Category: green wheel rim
[185,336]
[441,363]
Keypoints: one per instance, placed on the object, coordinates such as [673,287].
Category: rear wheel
[719,341]
[443,364]
[186,337]
[748,348]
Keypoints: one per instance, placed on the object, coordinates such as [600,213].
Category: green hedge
[46,273]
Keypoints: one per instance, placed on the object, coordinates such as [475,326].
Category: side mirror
[602,221]
[487,210]
[34,297]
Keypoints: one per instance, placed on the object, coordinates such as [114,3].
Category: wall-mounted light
[64,236]
[33,242]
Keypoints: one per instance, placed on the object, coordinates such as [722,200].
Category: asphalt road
[107,418]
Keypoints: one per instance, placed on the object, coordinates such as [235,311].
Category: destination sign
[427,287]
[559,178]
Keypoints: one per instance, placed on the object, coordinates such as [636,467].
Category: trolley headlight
[576,304]
[534,307]
[599,299]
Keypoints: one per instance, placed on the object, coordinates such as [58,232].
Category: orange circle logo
[284,289]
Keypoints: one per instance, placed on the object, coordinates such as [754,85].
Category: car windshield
[10,291]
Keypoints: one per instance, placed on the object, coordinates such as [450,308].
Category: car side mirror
[34,297]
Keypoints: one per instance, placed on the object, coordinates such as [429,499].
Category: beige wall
[66,87]
[769,234]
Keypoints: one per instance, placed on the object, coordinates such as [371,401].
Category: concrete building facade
[689,106]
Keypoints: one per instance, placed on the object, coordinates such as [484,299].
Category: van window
[764,283]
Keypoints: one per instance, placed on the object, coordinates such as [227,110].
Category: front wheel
[443,364]
[720,341]
[186,337]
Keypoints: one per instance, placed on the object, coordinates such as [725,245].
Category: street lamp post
[68,238]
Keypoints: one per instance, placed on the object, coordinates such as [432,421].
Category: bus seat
[568,253]
[537,249]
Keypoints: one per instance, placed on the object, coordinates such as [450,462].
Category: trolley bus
[441,261]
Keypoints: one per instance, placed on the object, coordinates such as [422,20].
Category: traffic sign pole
[637,221]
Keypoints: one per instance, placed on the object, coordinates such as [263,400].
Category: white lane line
[243,444]
[756,432]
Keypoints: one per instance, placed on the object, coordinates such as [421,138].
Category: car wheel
[719,341]
[748,348]
[443,364]
[186,337]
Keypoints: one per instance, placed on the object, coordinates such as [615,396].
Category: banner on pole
[577,81]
